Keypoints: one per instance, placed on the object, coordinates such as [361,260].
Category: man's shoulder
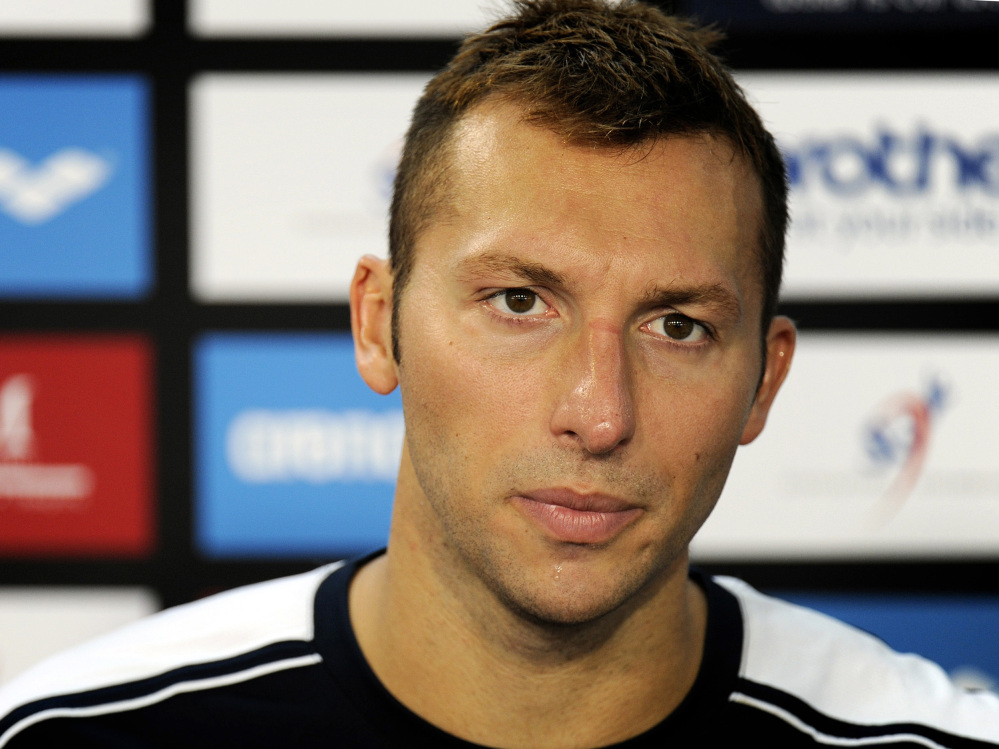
[217,640]
[834,681]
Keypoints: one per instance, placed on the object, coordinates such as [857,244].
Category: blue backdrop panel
[296,457]
[957,632]
[74,187]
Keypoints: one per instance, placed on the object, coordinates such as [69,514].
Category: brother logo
[315,446]
[902,164]
[33,195]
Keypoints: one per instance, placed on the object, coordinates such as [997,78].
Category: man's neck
[470,665]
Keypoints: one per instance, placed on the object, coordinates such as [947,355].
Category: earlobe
[371,323]
[781,339]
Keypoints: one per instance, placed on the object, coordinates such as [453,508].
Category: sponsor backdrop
[36,622]
[846,15]
[186,185]
[375,18]
[301,162]
[956,632]
[878,446]
[889,174]
[75,446]
[74,186]
[295,454]
[83,18]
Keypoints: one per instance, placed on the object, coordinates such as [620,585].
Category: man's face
[580,351]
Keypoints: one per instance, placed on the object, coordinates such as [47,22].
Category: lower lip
[576,526]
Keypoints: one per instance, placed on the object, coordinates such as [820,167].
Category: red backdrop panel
[76,451]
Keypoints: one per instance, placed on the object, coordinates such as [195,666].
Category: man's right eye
[518,302]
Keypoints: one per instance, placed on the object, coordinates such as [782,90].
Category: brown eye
[679,328]
[520,301]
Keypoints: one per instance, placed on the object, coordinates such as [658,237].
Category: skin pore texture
[580,356]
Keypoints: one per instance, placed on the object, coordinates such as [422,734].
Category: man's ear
[371,323]
[780,349]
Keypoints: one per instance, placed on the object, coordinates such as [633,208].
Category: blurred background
[185,186]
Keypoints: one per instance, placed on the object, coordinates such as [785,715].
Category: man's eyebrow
[712,295]
[532,273]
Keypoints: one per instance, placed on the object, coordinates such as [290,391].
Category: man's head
[579,306]
[613,76]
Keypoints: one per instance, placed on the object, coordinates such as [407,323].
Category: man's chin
[572,599]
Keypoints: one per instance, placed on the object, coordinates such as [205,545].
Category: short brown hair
[620,75]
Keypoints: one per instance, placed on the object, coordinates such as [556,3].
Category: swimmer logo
[898,434]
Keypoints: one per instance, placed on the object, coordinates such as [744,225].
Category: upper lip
[583,501]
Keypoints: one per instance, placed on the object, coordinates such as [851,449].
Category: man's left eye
[518,302]
[679,328]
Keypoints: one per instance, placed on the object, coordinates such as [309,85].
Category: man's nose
[596,407]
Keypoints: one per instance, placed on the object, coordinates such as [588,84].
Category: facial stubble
[559,596]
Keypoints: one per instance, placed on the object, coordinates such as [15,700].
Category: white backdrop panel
[38,622]
[895,181]
[291,180]
[339,17]
[75,18]
[878,446]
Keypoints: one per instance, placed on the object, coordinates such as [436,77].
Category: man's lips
[577,518]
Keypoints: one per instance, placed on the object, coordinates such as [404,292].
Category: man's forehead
[498,142]
[499,156]
[499,161]
[498,120]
